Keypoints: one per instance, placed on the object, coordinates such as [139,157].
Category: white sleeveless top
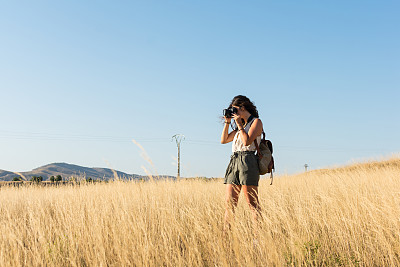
[237,144]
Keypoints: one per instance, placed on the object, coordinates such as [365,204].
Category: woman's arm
[227,137]
[254,131]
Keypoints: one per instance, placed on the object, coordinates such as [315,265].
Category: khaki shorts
[243,169]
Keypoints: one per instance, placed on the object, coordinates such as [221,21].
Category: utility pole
[306,166]
[178,138]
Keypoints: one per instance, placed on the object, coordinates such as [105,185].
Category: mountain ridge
[67,170]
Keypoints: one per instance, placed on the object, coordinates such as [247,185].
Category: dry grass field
[347,216]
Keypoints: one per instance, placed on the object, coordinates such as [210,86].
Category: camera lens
[227,113]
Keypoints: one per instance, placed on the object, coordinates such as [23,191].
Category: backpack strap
[260,156]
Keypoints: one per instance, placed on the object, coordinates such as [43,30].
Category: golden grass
[346,216]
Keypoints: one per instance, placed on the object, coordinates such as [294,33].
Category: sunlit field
[338,217]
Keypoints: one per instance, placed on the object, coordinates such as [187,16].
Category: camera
[229,111]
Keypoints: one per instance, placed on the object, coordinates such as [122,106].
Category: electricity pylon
[178,138]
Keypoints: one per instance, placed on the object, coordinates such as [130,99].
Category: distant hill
[6,174]
[69,170]
[392,163]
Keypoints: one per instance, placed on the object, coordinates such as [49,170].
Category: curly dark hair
[243,101]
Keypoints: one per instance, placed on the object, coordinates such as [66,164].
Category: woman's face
[240,111]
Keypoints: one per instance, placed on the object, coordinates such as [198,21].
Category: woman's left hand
[238,120]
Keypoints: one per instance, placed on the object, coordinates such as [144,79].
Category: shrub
[37,179]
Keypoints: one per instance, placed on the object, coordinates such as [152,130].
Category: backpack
[266,160]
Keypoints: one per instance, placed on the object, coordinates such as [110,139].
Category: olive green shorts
[243,169]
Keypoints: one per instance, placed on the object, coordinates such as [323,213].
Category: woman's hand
[227,137]
[238,121]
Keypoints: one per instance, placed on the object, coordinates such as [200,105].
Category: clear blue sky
[80,79]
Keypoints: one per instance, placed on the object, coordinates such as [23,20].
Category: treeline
[53,179]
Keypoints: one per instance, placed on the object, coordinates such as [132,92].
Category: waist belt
[237,153]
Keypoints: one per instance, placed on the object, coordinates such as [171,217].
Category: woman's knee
[232,195]
[251,193]
[231,201]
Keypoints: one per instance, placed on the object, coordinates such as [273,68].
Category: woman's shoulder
[257,120]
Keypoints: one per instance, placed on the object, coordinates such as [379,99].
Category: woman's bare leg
[251,195]
[232,198]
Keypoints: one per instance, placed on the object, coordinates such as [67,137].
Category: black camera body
[229,112]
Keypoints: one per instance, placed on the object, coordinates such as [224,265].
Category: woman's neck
[246,116]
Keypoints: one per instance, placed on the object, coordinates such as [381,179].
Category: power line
[73,137]
[121,139]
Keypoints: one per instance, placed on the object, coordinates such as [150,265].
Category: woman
[242,171]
